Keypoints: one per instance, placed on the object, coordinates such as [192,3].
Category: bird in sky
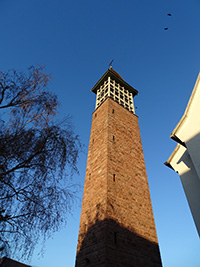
[169,15]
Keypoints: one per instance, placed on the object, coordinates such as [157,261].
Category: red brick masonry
[117,225]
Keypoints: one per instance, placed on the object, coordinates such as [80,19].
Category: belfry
[117,226]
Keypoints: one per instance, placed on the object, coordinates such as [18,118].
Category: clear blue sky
[76,40]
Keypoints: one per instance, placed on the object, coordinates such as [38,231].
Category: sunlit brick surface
[117,226]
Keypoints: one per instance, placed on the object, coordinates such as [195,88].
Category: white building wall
[186,159]
[182,163]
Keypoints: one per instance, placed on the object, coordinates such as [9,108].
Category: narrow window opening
[113,111]
[95,114]
[113,138]
[115,238]
[113,177]
[89,176]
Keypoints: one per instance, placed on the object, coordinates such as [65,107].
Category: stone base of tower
[102,248]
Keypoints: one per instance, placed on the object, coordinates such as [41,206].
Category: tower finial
[110,64]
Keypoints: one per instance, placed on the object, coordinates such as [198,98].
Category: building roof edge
[182,120]
[112,73]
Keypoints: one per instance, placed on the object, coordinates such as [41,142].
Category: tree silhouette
[36,156]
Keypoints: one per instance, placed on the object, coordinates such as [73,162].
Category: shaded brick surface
[6,262]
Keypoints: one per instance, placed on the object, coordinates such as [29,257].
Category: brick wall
[117,226]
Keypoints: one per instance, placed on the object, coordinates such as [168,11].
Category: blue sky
[76,40]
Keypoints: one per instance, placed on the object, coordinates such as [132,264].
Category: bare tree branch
[37,155]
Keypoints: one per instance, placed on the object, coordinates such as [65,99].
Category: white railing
[118,93]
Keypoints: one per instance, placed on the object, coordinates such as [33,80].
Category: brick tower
[117,226]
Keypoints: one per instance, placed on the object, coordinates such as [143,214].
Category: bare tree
[36,155]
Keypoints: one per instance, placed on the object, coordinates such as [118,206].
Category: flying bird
[169,15]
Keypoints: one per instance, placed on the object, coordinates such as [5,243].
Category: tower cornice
[114,75]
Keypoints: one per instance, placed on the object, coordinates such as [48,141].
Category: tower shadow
[107,243]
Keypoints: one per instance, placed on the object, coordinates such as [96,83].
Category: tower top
[115,76]
[113,86]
